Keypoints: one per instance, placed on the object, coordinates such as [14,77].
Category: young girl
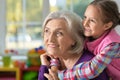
[100,19]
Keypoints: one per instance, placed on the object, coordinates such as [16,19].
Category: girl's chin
[87,35]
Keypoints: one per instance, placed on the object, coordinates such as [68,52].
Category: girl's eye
[59,33]
[91,20]
[84,18]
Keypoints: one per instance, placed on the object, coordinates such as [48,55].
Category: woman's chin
[51,52]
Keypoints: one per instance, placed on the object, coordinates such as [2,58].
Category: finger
[62,65]
[48,76]
[53,74]
[44,60]
[43,55]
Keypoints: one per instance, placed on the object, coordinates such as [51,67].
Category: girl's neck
[91,38]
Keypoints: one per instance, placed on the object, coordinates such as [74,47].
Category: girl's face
[92,22]
[57,39]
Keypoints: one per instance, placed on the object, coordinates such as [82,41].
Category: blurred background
[21,27]
[21,20]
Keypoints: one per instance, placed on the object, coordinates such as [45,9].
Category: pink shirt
[98,45]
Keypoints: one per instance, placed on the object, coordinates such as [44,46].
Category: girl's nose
[85,23]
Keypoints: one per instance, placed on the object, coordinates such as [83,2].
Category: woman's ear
[108,25]
[73,44]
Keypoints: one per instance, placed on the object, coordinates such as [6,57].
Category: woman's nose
[51,38]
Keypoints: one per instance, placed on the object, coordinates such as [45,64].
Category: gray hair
[75,28]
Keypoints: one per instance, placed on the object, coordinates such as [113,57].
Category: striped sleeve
[91,69]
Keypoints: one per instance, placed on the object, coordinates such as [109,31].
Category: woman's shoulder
[86,56]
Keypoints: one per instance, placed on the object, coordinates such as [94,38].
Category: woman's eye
[59,34]
[45,31]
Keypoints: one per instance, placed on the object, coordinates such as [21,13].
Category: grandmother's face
[57,39]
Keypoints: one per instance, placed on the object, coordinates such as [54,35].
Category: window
[23,24]
[24,19]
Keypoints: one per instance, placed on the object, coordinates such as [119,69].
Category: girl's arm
[92,68]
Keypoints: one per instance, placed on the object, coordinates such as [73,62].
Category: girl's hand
[53,75]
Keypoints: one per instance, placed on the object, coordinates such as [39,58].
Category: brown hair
[109,11]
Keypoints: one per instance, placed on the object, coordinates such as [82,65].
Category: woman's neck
[71,60]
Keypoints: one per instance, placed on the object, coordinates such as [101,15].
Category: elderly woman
[63,39]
